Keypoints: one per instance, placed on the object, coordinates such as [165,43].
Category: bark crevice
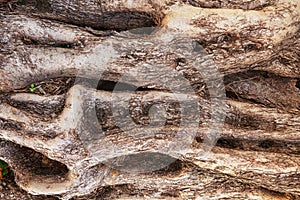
[62,69]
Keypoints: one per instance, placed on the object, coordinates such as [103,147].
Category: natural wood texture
[75,145]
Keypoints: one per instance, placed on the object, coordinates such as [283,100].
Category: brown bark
[48,137]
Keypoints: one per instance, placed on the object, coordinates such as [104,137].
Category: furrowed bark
[115,137]
[131,103]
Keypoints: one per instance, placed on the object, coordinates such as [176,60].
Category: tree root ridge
[62,136]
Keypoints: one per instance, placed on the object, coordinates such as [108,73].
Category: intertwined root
[81,143]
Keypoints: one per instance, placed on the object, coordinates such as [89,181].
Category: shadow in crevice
[298,84]
[145,162]
[264,145]
[34,170]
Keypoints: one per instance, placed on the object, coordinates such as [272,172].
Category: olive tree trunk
[151,99]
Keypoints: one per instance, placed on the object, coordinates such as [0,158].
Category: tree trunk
[151,99]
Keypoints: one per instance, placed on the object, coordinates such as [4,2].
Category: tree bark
[151,99]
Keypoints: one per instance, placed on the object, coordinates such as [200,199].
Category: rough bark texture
[45,135]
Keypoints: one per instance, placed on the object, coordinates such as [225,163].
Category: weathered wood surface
[46,139]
